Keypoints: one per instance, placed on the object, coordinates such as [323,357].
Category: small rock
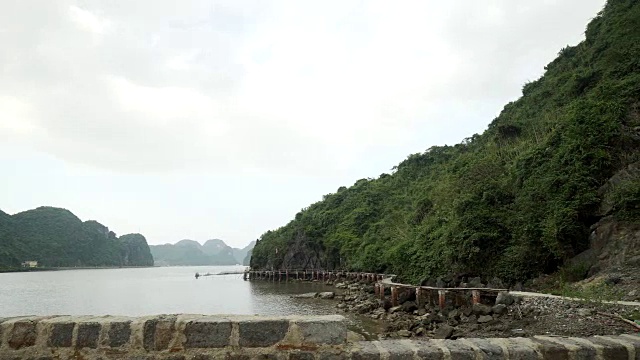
[518,332]
[341,306]
[420,331]
[476,282]
[613,280]
[481,309]
[353,336]
[306,295]
[444,331]
[395,309]
[432,318]
[409,306]
[326,295]
[504,298]
[404,333]
[422,312]
[499,309]
[585,312]
[484,319]
[454,314]
[472,319]
[633,293]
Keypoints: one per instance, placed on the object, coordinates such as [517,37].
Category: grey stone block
[23,334]
[365,350]
[119,333]
[633,340]
[584,351]
[202,357]
[330,331]
[149,334]
[551,350]
[427,350]
[330,356]
[490,351]
[61,335]
[88,335]
[519,350]
[611,350]
[262,333]
[157,333]
[231,356]
[459,350]
[209,333]
[301,355]
[267,357]
[397,350]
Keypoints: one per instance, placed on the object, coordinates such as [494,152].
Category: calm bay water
[158,290]
[147,291]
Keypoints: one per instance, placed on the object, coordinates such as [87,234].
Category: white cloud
[88,21]
[16,119]
[313,94]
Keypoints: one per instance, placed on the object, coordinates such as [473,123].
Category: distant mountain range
[190,252]
[55,237]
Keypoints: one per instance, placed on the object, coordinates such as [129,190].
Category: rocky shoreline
[506,316]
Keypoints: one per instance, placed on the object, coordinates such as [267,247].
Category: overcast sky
[222,119]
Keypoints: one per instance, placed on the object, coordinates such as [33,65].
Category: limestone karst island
[261,148]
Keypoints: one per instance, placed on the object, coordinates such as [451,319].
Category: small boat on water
[207,274]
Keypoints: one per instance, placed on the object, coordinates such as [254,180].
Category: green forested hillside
[512,202]
[57,238]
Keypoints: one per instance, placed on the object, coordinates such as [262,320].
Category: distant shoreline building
[30,264]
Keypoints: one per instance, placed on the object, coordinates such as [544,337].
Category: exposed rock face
[135,250]
[303,254]
[243,256]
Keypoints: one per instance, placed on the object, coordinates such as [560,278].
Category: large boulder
[409,306]
[481,309]
[326,295]
[504,298]
[444,331]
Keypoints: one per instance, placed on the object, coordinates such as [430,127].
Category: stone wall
[200,337]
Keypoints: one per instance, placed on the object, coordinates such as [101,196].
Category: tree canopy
[57,238]
[514,201]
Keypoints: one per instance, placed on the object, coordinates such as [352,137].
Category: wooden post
[394,296]
[442,300]
[475,296]
[381,291]
[418,299]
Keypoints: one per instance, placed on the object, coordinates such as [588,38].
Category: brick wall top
[257,337]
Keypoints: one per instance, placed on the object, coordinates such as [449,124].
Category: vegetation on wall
[513,202]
